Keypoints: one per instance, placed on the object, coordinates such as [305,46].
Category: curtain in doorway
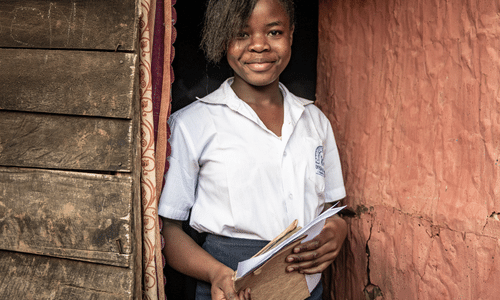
[157,35]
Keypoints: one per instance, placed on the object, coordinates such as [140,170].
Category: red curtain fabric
[156,54]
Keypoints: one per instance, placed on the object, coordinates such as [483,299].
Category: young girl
[250,158]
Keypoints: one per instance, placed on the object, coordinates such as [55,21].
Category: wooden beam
[25,276]
[65,142]
[74,24]
[138,221]
[68,82]
[67,214]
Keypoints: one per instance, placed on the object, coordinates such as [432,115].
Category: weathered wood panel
[138,221]
[68,82]
[65,142]
[25,276]
[75,24]
[67,214]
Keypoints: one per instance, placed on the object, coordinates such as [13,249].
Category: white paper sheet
[311,230]
[312,281]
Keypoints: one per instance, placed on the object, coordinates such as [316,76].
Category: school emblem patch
[319,161]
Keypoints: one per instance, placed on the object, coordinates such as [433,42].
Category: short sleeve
[178,193]
[334,182]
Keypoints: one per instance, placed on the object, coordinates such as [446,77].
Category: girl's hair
[225,18]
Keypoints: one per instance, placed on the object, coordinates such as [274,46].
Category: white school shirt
[236,178]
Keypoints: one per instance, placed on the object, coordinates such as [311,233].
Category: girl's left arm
[317,254]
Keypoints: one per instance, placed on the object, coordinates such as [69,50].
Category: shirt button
[284,153]
[290,196]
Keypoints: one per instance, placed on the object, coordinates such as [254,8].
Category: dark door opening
[194,77]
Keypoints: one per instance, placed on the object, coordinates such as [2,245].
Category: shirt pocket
[315,164]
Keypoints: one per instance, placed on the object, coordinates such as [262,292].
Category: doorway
[195,77]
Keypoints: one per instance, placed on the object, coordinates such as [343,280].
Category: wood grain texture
[25,276]
[65,142]
[69,24]
[67,214]
[68,82]
[137,219]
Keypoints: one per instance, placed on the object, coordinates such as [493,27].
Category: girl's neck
[266,101]
[258,95]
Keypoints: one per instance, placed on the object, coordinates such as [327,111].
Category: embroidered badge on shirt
[320,163]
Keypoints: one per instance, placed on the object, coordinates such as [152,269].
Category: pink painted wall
[412,89]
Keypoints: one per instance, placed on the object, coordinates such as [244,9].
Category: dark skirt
[230,251]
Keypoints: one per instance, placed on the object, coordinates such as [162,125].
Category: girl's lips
[259,66]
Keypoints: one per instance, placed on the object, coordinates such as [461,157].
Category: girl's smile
[260,66]
[262,49]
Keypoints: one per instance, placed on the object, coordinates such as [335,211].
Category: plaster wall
[412,89]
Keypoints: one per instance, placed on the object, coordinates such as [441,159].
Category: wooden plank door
[69,150]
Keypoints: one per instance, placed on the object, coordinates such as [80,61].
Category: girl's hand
[223,286]
[317,254]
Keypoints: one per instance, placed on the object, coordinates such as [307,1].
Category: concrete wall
[412,89]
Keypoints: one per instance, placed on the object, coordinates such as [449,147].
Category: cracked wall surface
[412,89]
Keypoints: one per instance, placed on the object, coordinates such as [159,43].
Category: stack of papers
[301,235]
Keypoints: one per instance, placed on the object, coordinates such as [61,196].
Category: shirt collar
[226,96]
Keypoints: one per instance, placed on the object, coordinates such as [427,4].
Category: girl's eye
[242,35]
[274,32]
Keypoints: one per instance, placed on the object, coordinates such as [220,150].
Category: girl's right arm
[186,256]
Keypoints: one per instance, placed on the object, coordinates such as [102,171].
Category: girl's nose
[258,43]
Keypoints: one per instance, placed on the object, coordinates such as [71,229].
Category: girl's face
[262,50]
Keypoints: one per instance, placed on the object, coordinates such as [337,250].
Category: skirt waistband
[235,242]
[230,251]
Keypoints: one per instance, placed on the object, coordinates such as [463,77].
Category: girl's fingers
[245,294]
[311,245]
[225,291]
[218,294]
[316,255]
[324,237]
[231,294]
[303,256]
[313,253]
[312,263]
[313,266]
[317,269]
